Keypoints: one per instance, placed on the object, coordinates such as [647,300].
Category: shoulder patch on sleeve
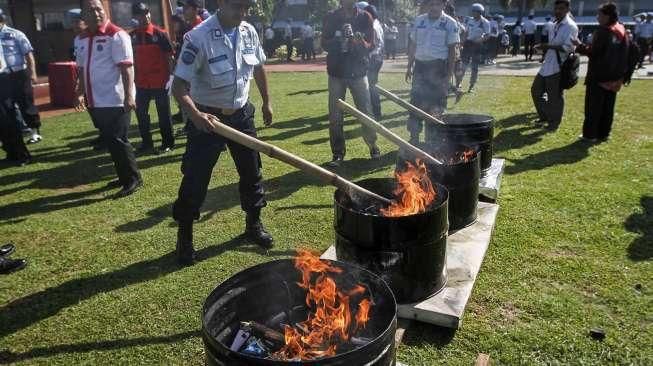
[190,46]
[187,57]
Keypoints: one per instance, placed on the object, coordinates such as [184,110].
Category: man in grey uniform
[211,83]
[432,50]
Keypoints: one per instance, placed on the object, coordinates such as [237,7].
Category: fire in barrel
[405,242]
[459,172]
[306,310]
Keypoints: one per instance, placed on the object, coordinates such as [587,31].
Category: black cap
[140,9]
[193,3]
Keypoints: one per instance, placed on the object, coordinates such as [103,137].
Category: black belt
[214,110]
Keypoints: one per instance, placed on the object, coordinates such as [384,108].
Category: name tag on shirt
[217,59]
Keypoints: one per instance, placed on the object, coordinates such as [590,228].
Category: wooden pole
[393,137]
[353,190]
[408,106]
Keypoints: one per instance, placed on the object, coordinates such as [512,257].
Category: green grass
[572,245]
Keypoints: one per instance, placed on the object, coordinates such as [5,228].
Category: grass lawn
[572,250]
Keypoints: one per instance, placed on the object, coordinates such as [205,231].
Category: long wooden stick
[272,151]
[393,137]
[408,106]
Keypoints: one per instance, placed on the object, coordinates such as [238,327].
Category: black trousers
[162,101]
[599,111]
[113,123]
[12,90]
[644,49]
[202,153]
[289,48]
[529,46]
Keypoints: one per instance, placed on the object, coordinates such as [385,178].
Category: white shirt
[476,29]
[269,34]
[100,57]
[529,27]
[15,47]
[433,37]
[564,32]
[379,42]
[548,29]
[646,30]
[308,32]
[494,28]
[218,71]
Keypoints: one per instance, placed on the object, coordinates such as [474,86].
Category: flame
[414,191]
[330,322]
[467,155]
[464,157]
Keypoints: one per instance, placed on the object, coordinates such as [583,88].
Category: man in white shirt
[308,42]
[376,62]
[478,29]
[645,38]
[269,42]
[391,33]
[431,57]
[287,37]
[546,92]
[529,37]
[492,42]
[106,79]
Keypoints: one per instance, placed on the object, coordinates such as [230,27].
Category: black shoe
[184,249]
[256,232]
[114,184]
[414,140]
[336,162]
[8,265]
[375,153]
[23,162]
[163,150]
[129,189]
[7,249]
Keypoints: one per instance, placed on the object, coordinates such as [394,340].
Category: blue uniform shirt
[219,66]
[15,46]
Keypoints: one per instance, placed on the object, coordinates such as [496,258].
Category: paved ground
[506,66]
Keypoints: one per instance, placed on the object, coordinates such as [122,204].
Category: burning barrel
[408,252]
[467,129]
[304,312]
[460,173]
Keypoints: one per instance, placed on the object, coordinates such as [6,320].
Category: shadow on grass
[303,207]
[641,249]
[309,92]
[421,334]
[7,357]
[26,311]
[517,132]
[564,155]
[73,180]
[358,132]
[226,197]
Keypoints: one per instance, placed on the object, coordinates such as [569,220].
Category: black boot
[8,265]
[256,232]
[185,251]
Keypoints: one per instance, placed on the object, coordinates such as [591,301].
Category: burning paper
[331,322]
[414,191]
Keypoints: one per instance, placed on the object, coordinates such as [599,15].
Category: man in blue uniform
[17,73]
[211,84]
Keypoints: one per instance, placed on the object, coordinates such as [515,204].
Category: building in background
[49,29]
